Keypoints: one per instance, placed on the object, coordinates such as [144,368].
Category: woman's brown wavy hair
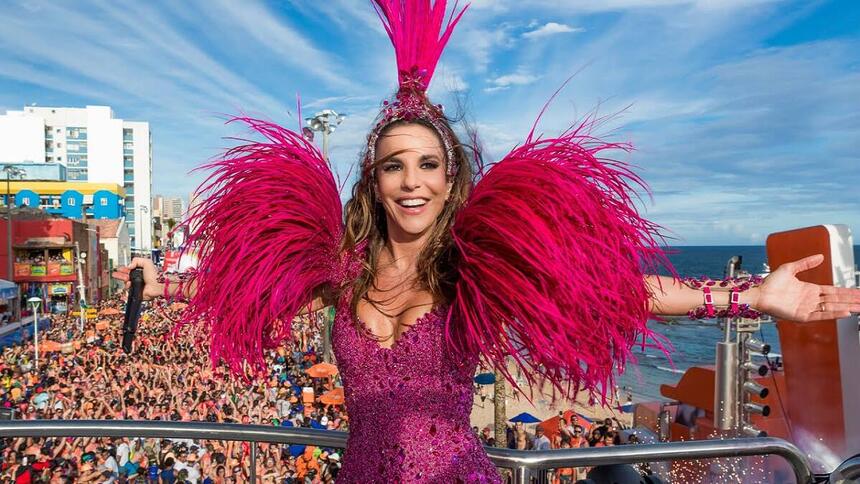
[366,221]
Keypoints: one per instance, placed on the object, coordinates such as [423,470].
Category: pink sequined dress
[408,407]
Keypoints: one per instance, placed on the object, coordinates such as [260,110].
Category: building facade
[168,213]
[94,147]
[173,208]
[77,200]
[54,258]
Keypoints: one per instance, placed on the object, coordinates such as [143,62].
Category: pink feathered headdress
[419,31]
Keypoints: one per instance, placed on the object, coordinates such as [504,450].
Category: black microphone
[132,309]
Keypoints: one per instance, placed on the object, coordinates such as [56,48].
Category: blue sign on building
[27,198]
[106,205]
[71,204]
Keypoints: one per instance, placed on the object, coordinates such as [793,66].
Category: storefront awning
[8,290]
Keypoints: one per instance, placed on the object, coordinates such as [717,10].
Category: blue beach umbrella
[485,379]
[525,417]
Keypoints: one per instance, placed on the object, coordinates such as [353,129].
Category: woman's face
[411,185]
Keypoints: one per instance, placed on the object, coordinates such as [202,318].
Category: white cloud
[284,41]
[593,6]
[481,44]
[515,79]
[446,80]
[551,28]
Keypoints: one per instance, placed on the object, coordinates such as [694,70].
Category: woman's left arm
[781,295]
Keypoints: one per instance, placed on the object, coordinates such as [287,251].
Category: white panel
[22,138]
[842,255]
[104,147]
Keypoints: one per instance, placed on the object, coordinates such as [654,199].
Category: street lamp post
[34,303]
[82,288]
[325,121]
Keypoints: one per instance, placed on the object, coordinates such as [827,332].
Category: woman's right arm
[153,289]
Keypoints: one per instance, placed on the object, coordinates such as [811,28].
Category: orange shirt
[306,462]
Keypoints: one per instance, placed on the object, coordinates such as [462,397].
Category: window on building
[76,133]
[59,145]
[59,158]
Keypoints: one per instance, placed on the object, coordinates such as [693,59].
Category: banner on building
[59,289]
[179,260]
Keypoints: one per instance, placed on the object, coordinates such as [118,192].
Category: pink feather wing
[553,258]
[268,231]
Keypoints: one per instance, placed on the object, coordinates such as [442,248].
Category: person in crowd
[540,441]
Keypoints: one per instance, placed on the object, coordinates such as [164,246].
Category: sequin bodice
[408,406]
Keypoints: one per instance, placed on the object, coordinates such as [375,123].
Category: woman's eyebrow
[429,157]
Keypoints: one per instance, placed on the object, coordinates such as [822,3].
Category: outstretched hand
[784,296]
[151,287]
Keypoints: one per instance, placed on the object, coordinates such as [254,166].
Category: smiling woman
[541,260]
[402,208]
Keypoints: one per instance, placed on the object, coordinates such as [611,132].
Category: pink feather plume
[553,258]
[419,31]
[268,231]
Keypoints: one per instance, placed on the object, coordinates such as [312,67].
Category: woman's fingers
[839,307]
[840,300]
[122,276]
[825,315]
[840,290]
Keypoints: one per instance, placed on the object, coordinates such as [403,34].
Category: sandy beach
[483,412]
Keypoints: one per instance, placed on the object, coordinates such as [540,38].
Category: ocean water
[694,342]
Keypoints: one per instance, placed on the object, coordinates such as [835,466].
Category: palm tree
[500,416]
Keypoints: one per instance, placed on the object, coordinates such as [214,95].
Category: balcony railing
[523,463]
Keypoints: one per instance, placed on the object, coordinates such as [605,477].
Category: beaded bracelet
[741,283]
[734,308]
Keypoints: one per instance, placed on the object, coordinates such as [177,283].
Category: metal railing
[521,462]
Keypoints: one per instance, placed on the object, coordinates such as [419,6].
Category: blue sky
[745,113]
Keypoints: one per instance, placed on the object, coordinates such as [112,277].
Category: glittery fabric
[408,406]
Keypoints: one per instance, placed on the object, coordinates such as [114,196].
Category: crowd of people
[571,434]
[167,378]
[38,257]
